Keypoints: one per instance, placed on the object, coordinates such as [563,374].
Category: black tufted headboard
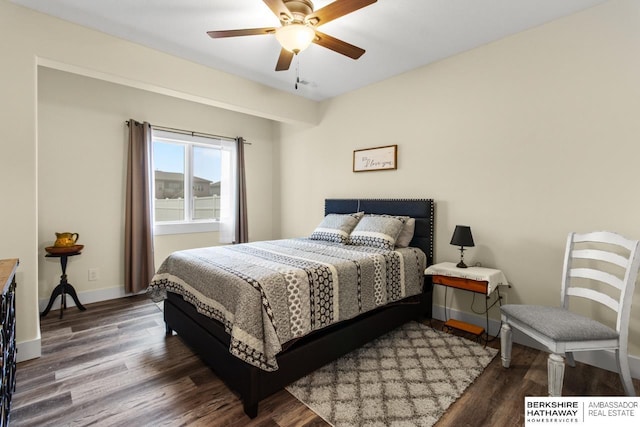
[420,209]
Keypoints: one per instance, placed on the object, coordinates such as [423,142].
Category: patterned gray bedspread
[268,293]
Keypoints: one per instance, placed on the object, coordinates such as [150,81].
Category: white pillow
[406,234]
[336,227]
[378,231]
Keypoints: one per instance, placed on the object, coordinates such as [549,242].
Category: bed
[255,369]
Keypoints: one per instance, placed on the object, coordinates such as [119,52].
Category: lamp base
[461,264]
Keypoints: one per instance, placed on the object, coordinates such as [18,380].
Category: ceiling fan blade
[284,60]
[338,45]
[245,32]
[335,10]
[279,9]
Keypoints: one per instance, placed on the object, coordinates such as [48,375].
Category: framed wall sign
[375,159]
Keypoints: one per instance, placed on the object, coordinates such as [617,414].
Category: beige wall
[524,140]
[82,155]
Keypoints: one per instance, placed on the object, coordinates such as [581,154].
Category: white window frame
[187,225]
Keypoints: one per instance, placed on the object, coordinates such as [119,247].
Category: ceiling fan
[299,22]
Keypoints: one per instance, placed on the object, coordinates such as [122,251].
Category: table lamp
[462,237]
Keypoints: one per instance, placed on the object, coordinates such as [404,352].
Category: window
[186,182]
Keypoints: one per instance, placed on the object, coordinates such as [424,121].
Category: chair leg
[570,360]
[505,344]
[625,373]
[555,371]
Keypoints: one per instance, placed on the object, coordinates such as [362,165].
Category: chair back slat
[605,237]
[606,256]
[595,296]
[600,276]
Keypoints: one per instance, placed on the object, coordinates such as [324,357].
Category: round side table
[64,287]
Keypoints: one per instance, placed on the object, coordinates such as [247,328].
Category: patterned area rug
[408,377]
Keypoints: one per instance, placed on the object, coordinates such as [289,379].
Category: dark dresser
[8,336]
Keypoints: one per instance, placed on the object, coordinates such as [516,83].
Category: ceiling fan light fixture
[295,37]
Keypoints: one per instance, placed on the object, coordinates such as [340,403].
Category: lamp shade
[295,37]
[462,236]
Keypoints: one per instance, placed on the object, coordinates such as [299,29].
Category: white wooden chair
[590,261]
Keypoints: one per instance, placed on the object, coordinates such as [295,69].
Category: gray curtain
[242,227]
[138,246]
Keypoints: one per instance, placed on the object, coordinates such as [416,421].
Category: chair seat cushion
[559,324]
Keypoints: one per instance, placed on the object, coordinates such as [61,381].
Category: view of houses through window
[186,178]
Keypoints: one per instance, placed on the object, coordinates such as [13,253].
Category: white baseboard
[600,359]
[27,350]
[33,349]
[86,297]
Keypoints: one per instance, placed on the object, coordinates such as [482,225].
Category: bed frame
[209,340]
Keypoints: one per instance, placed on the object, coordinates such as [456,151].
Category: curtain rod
[192,133]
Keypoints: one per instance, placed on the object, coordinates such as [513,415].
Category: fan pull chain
[297,71]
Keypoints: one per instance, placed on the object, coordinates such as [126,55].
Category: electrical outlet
[94,274]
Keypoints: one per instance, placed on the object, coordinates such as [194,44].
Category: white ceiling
[398,35]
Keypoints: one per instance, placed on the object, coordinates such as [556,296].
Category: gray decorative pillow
[336,227]
[406,234]
[378,231]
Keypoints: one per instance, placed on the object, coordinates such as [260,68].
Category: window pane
[205,184]
[168,160]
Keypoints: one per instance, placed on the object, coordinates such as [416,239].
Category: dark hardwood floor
[113,365]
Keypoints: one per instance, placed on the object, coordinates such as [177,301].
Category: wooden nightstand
[479,280]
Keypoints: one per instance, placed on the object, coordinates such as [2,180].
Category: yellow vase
[64,240]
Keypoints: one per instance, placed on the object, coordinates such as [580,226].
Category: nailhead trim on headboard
[411,207]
